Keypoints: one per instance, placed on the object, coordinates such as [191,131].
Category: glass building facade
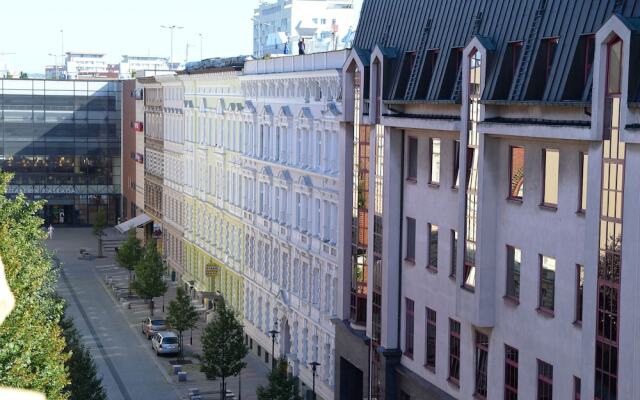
[61,139]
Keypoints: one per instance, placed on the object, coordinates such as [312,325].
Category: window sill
[548,207]
[453,382]
[430,368]
[452,277]
[469,289]
[432,269]
[454,189]
[433,185]
[514,200]
[412,180]
[408,355]
[545,312]
[410,261]
[478,396]
[511,300]
[581,213]
[577,324]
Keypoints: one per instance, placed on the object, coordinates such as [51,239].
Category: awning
[135,222]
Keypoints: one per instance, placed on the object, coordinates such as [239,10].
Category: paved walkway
[111,329]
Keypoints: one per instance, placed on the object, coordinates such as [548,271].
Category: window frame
[510,364]
[409,315]
[510,273]
[431,318]
[542,308]
[577,388]
[544,203]
[481,374]
[543,379]
[434,182]
[411,222]
[455,181]
[582,188]
[454,253]
[454,336]
[430,246]
[511,195]
[412,160]
[579,295]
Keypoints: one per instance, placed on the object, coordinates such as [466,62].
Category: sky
[31,29]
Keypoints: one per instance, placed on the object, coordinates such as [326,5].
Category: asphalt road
[128,368]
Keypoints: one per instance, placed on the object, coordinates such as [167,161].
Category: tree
[85,384]
[223,346]
[98,229]
[182,316]
[148,282]
[129,254]
[32,348]
[281,386]
[24,75]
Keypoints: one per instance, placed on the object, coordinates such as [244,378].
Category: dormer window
[580,69]
[403,78]
[451,74]
[542,68]
[508,71]
[427,73]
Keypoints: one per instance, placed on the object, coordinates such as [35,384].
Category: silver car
[165,342]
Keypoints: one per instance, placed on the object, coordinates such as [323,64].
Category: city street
[128,367]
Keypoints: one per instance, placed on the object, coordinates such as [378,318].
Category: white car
[165,342]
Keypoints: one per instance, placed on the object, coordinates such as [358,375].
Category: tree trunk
[180,354]
[100,245]
[223,391]
[151,306]
[129,283]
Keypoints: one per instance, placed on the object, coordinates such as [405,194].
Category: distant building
[54,71]
[130,64]
[82,65]
[324,24]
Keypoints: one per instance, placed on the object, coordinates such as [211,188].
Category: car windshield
[157,322]
[170,340]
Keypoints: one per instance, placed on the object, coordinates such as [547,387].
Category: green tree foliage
[148,282]
[85,384]
[223,346]
[182,315]
[98,228]
[281,386]
[129,254]
[32,348]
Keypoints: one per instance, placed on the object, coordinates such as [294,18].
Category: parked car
[152,326]
[165,342]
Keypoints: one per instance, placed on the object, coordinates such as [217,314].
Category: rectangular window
[409,318]
[403,78]
[514,258]
[510,373]
[433,246]
[454,351]
[430,356]
[584,166]
[576,388]
[516,172]
[454,253]
[545,381]
[541,69]
[434,156]
[579,291]
[551,165]
[412,170]
[547,282]
[482,356]
[456,164]
[411,240]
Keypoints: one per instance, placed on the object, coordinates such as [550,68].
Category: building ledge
[538,121]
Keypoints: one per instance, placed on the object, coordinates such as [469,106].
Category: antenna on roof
[619,6]
[477,21]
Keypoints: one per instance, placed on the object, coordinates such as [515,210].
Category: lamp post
[171,28]
[201,36]
[314,367]
[273,334]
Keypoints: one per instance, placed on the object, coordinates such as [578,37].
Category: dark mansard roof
[422,26]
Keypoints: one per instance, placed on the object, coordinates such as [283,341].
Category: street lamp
[314,367]
[273,334]
[201,36]
[171,28]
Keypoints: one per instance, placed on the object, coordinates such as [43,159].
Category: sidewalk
[115,282]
